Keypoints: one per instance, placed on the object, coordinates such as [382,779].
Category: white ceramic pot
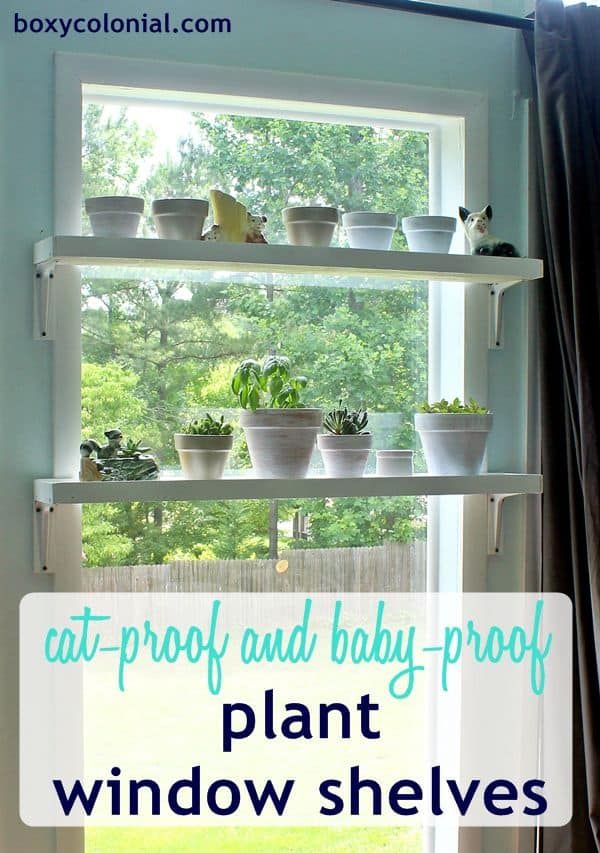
[429,233]
[394,463]
[310,226]
[370,230]
[453,443]
[345,455]
[281,441]
[179,218]
[203,457]
[114,215]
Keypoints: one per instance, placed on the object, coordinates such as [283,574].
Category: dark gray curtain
[565,54]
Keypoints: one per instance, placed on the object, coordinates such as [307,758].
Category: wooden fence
[392,567]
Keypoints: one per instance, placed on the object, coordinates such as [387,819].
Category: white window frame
[457,122]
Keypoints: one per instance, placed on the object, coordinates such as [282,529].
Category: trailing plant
[209,426]
[270,383]
[443,407]
[342,422]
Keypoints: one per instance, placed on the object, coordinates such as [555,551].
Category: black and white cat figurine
[479,237]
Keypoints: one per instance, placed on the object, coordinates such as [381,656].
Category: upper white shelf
[349,265]
[52,492]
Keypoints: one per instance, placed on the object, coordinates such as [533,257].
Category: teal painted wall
[312,36]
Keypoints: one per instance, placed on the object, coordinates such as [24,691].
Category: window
[158,353]
[336,334]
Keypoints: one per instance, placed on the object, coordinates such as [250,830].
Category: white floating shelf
[232,258]
[52,492]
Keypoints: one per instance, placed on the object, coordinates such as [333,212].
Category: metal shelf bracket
[43,292]
[496,311]
[495,512]
[43,515]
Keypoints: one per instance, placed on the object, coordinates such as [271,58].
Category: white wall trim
[346,96]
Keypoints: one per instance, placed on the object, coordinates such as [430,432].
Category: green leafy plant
[270,383]
[342,422]
[133,449]
[443,407]
[209,426]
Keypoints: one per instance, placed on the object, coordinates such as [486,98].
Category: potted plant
[113,461]
[280,433]
[204,447]
[453,435]
[345,444]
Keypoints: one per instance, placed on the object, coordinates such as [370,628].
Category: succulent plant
[133,449]
[209,426]
[443,407]
[342,422]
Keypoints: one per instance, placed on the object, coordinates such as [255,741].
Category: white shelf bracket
[496,312]
[495,512]
[43,516]
[43,301]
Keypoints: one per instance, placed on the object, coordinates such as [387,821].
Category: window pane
[158,353]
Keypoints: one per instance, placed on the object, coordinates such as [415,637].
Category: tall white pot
[453,443]
[281,441]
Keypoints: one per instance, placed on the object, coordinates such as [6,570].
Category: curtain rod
[476,16]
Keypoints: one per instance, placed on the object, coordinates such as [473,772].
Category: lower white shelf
[53,491]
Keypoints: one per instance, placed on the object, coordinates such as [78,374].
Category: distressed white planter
[429,233]
[310,226]
[179,218]
[453,443]
[203,457]
[114,215]
[345,455]
[394,463]
[281,441]
[370,230]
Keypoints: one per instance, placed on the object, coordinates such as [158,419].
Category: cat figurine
[481,241]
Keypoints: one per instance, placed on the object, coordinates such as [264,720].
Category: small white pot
[179,218]
[281,441]
[115,215]
[394,463]
[370,230]
[203,457]
[429,233]
[310,226]
[453,443]
[345,455]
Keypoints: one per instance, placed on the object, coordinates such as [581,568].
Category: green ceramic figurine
[112,461]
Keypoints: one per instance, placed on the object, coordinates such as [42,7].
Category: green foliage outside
[160,353]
